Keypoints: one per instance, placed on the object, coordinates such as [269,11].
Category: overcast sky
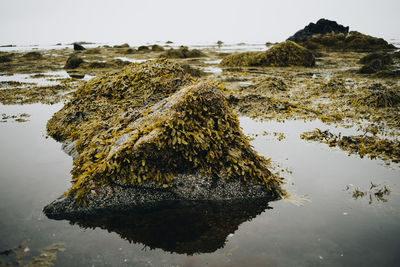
[186,21]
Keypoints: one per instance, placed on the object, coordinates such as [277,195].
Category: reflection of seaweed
[375,191]
[20,255]
[184,227]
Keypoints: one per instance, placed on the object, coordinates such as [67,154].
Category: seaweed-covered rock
[182,52]
[329,35]
[73,62]
[143,48]
[157,48]
[281,55]
[78,47]
[375,62]
[323,26]
[384,57]
[149,124]
[32,56]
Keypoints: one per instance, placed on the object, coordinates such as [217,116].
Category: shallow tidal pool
[320,224]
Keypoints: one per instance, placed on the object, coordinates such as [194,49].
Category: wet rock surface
[185,190]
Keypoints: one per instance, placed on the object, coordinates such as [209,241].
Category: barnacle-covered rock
[149,125]
[281,55]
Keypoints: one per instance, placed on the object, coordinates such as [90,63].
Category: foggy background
[184,21]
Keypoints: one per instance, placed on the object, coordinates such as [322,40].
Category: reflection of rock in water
[183,227]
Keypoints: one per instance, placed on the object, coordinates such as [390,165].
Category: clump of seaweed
[125,45]
[32,56]
[73,62]
[182,52]
[191,131]
[354,41]
[131,89]
[281,55]
[22,255]
[373,146]
[375,191]
[194,72]
[375,62]
[30,95]
[157,48]
[143,48]
[383,98]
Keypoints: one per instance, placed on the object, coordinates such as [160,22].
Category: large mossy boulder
[280,55]
[330,36]
[151,126]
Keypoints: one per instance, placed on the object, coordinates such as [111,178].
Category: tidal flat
[342,206]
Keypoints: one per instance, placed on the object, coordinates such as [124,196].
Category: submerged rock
[280,55]
[73,62]
[150,128]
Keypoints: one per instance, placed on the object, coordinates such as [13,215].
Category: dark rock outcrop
[323,26]
[329,35]
[78,47]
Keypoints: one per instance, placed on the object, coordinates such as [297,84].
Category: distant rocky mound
[280,55]
[150,126]
[329,35]
[78,47]
[323,26]
[182,52]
